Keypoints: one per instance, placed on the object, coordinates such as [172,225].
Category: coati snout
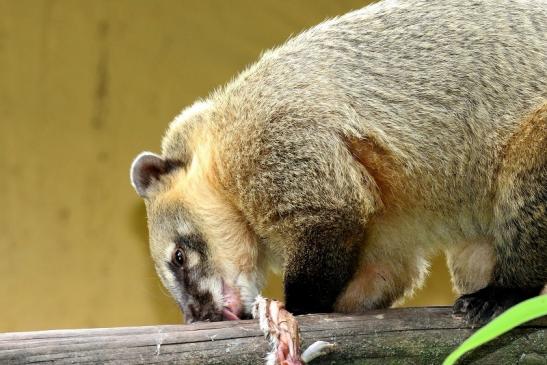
[182,257]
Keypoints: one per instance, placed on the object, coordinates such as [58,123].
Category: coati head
[203,251]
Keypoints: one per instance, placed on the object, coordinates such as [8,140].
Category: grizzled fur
[349,155]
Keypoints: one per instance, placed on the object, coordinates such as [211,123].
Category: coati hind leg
[390,265]
[354,281]
[471,265]
[520,224]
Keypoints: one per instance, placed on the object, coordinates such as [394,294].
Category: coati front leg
[320,262]
[307,197]
[321,257]
[519,233]
[308,200]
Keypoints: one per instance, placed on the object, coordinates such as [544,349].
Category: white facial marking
[214,286]
[192,259]
[168,251]
[169,281]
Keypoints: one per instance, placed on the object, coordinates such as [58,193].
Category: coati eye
[178,257]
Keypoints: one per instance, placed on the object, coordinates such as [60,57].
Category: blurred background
[84,87]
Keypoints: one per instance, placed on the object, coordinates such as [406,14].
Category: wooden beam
[400,336]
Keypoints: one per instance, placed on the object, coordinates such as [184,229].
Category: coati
[349,155]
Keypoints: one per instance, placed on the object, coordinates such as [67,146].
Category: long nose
[201,312]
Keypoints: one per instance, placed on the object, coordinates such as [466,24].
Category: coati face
[201,256]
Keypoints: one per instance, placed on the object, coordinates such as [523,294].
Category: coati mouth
[232,308]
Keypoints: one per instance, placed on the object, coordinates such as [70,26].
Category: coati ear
[146,171]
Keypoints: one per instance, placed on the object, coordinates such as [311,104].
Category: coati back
[349,155]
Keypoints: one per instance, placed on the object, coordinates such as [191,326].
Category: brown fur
[520,210]
[348,156]
[381,166]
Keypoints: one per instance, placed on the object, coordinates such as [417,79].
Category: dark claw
[480,307]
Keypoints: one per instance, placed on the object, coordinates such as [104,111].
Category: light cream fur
[471,265]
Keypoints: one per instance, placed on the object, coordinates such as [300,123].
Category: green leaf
[515,316]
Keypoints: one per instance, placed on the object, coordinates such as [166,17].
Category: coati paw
[281,329]
[485,304]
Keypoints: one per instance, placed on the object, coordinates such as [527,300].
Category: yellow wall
[84,87]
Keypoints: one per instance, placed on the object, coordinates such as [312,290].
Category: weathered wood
[395,336]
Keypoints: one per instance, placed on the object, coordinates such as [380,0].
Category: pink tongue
[228,315]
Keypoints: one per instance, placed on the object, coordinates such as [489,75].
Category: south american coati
[347,157]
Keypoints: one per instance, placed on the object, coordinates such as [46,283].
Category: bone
[316,349]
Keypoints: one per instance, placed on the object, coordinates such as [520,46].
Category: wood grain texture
[395,336]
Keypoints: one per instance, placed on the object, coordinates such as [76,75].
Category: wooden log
[394,336]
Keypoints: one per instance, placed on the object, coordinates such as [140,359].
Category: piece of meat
[281,329]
